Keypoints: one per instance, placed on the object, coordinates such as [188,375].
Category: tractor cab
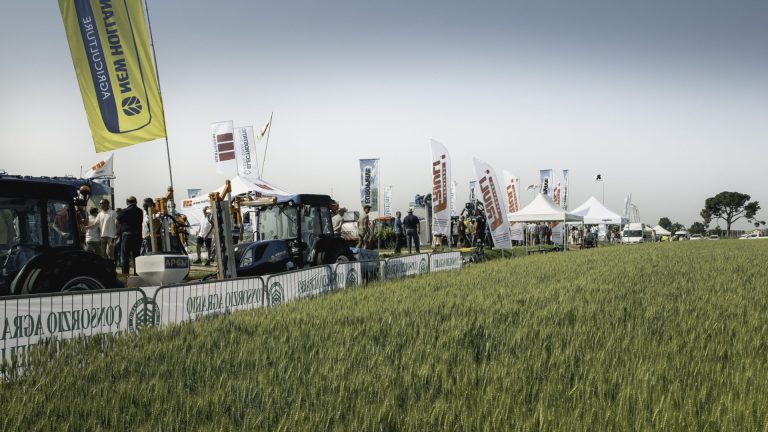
[40,246]
[290,232]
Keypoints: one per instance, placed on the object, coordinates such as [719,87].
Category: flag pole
[160,93]
[266,145]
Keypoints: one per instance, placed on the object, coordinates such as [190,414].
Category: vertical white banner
[223,140]
[494,202]
[513,203]
[454,186]
[369,185]
[245,153]
[387,200]
[472,191]
[564,200]
[545,181]
[628,207]
[556,190]
[441,180]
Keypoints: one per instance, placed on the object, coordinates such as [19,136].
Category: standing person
[462,227]
[92,234]
[146,226]
[543,231]
[412,230]
[480,229]
[130,219]
[106,220]
[364,228]
[399,234]
[338,220]
[204,236]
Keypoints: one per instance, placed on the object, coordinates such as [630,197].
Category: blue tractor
[290,232]
[40,246]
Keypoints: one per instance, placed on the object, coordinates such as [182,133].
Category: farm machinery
[41,249]
[290,232]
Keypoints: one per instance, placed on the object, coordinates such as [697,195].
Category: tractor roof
[308,199]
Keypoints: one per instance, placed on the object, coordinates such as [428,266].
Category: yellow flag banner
[110,50]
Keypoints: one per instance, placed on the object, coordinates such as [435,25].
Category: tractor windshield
[277,223]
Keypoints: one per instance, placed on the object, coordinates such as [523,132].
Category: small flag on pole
[598,177]
[264,130]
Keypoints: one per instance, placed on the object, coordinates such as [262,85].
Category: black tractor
[41,250]
[291,232]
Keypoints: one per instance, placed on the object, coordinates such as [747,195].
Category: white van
[682,235]
[637,233]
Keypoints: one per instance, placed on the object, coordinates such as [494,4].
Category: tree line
[729,207]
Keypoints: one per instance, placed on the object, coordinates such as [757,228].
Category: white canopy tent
[193,208]
[543,209]
[660,231]
[594,213]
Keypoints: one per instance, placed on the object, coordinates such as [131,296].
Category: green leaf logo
[131,106]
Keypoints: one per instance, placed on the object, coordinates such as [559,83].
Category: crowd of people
[123,234]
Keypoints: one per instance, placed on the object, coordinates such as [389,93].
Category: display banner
[369,185]
[454,186]
[513,204]
[441,196]
[102,168]
[495,204]
[472,191]
[387,200]
[245,153]
[627,207]
[556,191]
[113,63]
[184,303]
[564,192]
[409,265]
[557,233]
[30,320]
[223,141]
[444,261]
[285,287]
[545,182]
[348,274]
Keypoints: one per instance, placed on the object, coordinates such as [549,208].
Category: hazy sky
[667,99]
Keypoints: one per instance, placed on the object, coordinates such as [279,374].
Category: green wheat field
[648,337]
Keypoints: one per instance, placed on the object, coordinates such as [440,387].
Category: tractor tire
[82,283]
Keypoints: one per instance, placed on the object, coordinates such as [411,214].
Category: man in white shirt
[338,220]
[93,233]
[204,236]
[107,222]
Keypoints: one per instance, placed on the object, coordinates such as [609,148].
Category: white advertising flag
[556,192]
[545,180]
[387,200]
[441,181]
[494,202]
[102,168]
[627,207]
[565,190]
[245,153]
[513,203]
[223,141]
[454,186]
[369,185]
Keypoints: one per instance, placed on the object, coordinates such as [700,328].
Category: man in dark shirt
[399,234]
[412,230]
[130,219]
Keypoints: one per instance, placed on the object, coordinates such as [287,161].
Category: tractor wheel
[82,283]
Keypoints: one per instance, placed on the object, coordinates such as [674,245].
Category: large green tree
[697,228]
[730,207]
[665,223]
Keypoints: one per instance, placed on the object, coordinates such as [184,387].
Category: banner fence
[34,319]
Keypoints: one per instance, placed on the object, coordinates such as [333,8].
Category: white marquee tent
[660,231]
[543,209]
[193,208]
[594,212]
